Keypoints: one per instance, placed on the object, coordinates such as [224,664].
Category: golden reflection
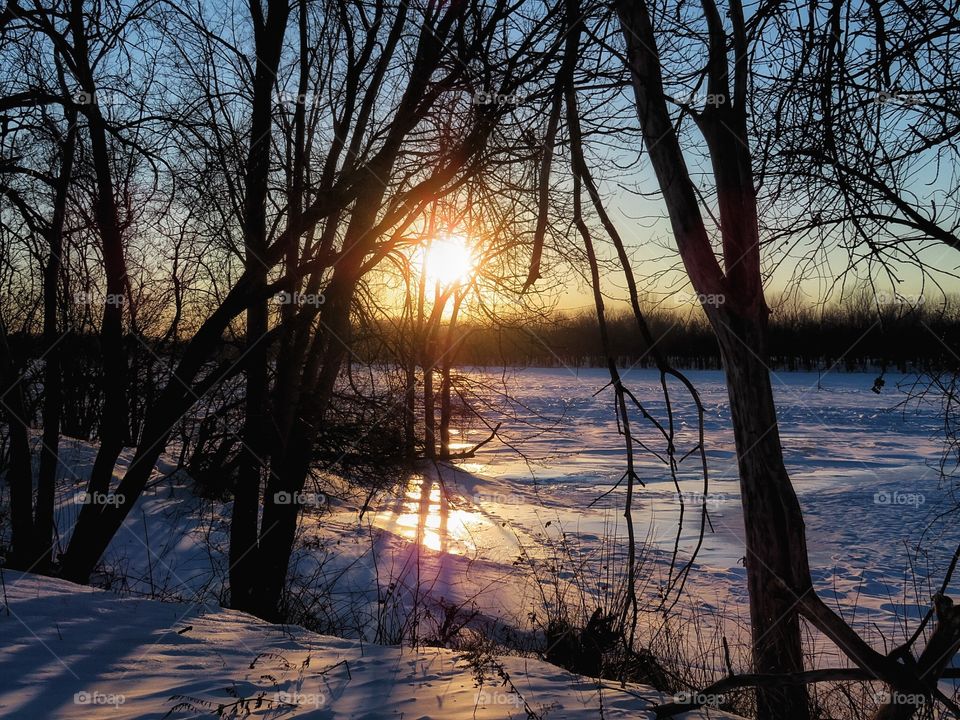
[425,517]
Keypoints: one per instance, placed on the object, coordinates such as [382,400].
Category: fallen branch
[473,451]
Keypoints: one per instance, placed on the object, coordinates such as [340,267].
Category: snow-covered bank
[76,652]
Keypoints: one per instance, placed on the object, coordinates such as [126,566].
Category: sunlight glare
[428,520]
[449,261]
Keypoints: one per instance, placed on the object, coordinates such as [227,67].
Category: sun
[448,261]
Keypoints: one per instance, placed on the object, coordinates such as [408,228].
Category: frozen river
[865,466]
[534,521]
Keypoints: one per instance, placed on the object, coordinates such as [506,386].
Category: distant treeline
[859,337]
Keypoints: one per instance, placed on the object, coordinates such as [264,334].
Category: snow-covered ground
[75,652]
[499,540]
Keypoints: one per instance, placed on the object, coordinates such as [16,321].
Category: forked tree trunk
[776,549]
[114,427]
[269,34]
[941,647]
[778,573]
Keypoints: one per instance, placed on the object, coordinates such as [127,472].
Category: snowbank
[77,652]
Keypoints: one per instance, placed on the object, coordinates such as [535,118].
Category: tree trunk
[97,524]
[776,549]
[246,493]
[445,409]
[429,406]
[410,401]
[776,553]
[281,508]
[290,465]
[19,472]
[446,364]
[268,38]
[52,374]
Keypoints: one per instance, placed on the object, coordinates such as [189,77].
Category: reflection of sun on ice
[428,519]
[449,260]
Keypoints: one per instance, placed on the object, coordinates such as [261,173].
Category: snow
[843,444]
[510,541]
[865,469]
[77,652]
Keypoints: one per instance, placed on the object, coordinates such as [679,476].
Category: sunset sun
[448,260]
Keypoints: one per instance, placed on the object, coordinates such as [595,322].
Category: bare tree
[777,568]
